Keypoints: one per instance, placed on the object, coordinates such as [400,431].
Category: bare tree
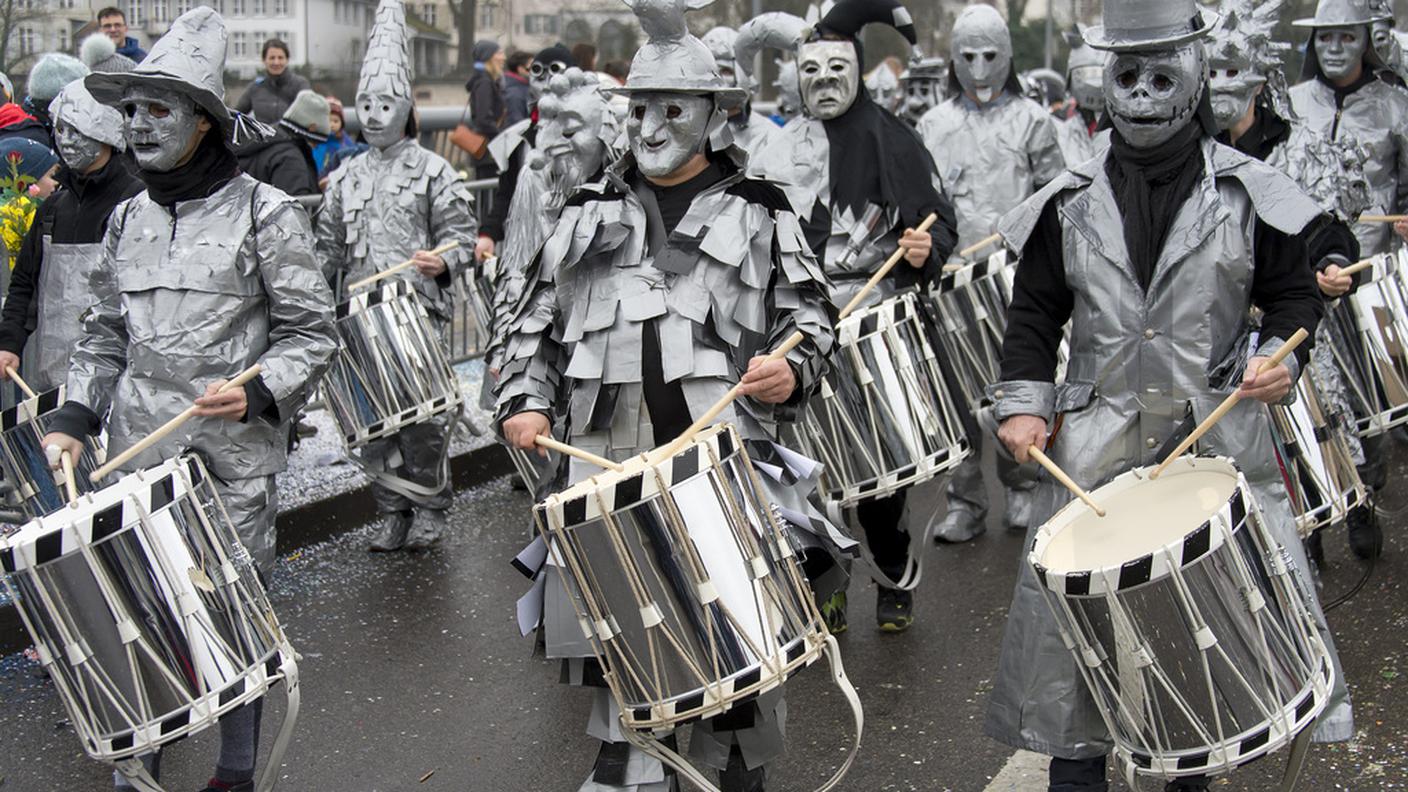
[464,13]
[14,15]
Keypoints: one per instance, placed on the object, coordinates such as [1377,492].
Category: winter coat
[268,97]
[486,103]
[282,161]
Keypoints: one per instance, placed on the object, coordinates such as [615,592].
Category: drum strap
[289,669]
[918,544]
[418,493]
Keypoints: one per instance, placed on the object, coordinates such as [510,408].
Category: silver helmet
[1085,74]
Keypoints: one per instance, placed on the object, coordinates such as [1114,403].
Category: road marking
[1024,772]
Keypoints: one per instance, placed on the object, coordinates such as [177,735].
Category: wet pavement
[414,677]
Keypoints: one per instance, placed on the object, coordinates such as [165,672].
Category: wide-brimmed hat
[1128,25]
[1342,13]
[674,60]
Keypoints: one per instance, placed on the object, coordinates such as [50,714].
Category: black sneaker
[738,778]
[894,610]
[833,612]
[1366,538]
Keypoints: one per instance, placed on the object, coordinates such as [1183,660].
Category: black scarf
[1267,131]
[211,167]
[1150,186]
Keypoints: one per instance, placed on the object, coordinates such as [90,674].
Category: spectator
[585,57]
[269,96]
[617,70]
[15,122]
[50,74]
[286,160]
[327,155]
[101,55]
[486,99]
[113,23]
[518,95]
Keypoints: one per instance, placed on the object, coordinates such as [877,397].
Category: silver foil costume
[1085,78]
[1136,368]
[379,208]
[751,130]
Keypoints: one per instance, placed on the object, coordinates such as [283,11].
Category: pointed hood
[386,68]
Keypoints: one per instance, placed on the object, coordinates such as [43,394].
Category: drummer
[1115,245]
[663,286]
[844,156]
[993,148]
[193,302]
[397,200]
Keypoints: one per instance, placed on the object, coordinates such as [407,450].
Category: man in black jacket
[52,283]
[286,160]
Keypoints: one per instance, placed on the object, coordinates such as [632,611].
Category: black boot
[833,612]
[1366,538]
[894,609]
[392,535]
[1315,548]
[247,786]
[426,528]
[1187,785]
[738,778]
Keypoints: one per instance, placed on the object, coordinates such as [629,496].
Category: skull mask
[78,151]
[162,127]
[1153,94]
[571,142]
[981,52]
[383,117]
[1234,86]
[1340,50]
[828,73]
[666,129]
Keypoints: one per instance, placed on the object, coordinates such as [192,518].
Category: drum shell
[1316,463]
[145,610]
[1370,328]
[38,490]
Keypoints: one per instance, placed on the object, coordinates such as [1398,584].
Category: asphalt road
[415,678]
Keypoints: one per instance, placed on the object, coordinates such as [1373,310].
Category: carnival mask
[666,129]
[571,146]
[383,118]
[162,127]
[1340,50]
[1087,87]
[540,76]
[1381,35]
[1152,95]
[789,92]
[1234,87]
[828,74]
[981,50]
[920,96]
[77,150]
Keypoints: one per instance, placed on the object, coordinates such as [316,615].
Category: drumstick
[791,343]
[1230,402]
[1358,266]
[66,460]
[389,271]
[1060,475]
[24,386]
[169,427]
[573,451]
[979,245]
[1381,218]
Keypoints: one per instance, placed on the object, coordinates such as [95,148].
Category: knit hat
[100,54]
[52,73]
[32,160]
[484,49]
[309,116]
[557,53]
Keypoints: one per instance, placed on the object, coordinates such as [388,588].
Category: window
[428,13]
[26,40]
[68,4]
[161,11]
[487,14]
[65,39]
[239,45]
[281,8]
[540,24]
[237,8]
[182,6]
[261,8]
[135,16]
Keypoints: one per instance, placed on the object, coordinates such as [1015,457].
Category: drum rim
[851,494]
[365,299]
[1196,544]
[393,424]
[34,408]
[982,269]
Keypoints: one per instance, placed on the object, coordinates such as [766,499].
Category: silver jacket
[65,291]
[1377,116]
[990,158]
[380,207]
[1074,138]
[752,133]
[185,300]
[1136,366]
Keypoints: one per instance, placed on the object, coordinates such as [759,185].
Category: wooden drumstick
[389,271]
[169,427]
[573,451]
[791,343]
[66,461]
[1371,218]
[24,386]
[1060,475]
[1231,401]
[979,245]
[1358,266]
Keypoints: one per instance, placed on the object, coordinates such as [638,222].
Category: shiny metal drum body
[684,581]
[972,308]
[145,610]
[1316,463]
[885,418]
[1185,618]
[391,370]
[39,490]
[1372,328]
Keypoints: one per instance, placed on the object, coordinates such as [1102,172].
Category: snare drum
[972,307]
[390,370]
[39,490]
[146,611]
[1186,618]
[885,418]
[683,582]
[1315,460]
[1372,327]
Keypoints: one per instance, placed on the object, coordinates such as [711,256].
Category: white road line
[1024,772]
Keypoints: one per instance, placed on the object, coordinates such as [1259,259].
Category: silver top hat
[673,60]
[1148,24]
[1343,13]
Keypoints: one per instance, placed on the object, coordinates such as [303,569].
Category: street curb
[319,521]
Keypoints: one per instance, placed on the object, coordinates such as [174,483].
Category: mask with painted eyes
[162,127]
[828,74]
[981,52]
[383,118]
[665,130]
[77,150]
[1234,87]
[1381,35]
[540,76]
[1152,95]
[1340,50]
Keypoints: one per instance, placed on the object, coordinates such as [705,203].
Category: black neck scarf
[1267,131]
[211,167]
[1150,186]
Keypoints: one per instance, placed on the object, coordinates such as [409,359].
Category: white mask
[162,127]
[1340,50]
[981,52]
[828,73]
[666,130]
[383,118]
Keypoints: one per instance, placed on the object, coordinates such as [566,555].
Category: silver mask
[1381,34]
[1151,95]
[666,129]
[1340,50]
[161,127]
[571,141]
[540,77]
[921,96]
[828,74]
[383,118]
[1234,87]
[77,150]
[981,52]
[1087,87]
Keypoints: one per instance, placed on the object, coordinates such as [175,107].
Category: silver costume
[751,130]
[379,208]
[1085,77]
